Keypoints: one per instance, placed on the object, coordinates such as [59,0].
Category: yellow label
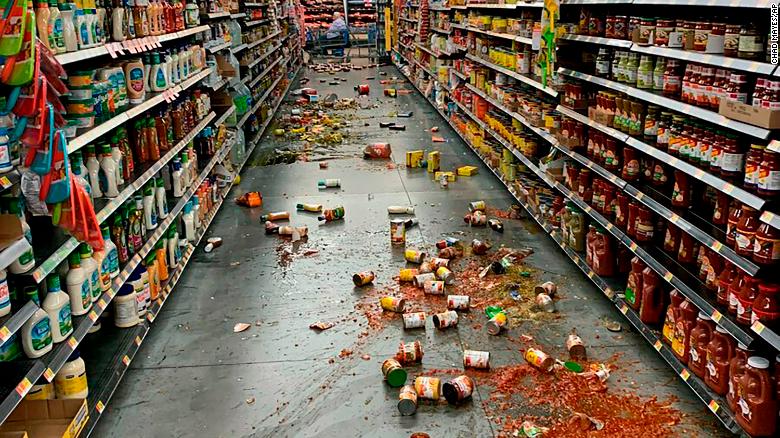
[716,246]
[92,316]
[657,345]
[674,218]
[684,374]
[23,387]
[126,360]
[757,327]
[101,303]
[640,195]
[633,246]
[100,406]
[728,188]
[714,406]
[4,333]
[609,226]
[48,375]
[624,309]
[44,392]
[591,274]
[71,385]
[5,181]
[72,342]
[716,316]
[138,341]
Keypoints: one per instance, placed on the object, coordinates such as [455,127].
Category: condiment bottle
[757,413]
[769,175]
[671,238]
[734,288]
[745,232]
[735,214]
[699,341]
[651,307]
[633,213]
[671,314]
[685,320]
[720,350]
[766,246]
[720,213]
[724,280]
[766,306]
[751,44]
[752,164]
[644,224]
[736,371]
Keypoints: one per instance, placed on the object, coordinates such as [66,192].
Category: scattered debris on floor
[240,327]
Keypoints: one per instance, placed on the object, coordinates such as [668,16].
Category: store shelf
[770,218]
[238,15]
[721,61]
[513,74]
[264,72]
[439,8]
[13,251]
[11,323]
[505,6]
[255,5]
[262,57]
[459,74]
[439,30]
[612,42]
[262,40]
[259,102]
[256,22]
[238,48]
[228,112]
[674,105]
[520,39]
[721,3]
[102,129]
[219,47]
[61,254]
[216,15]
[27,376]
[222,82]
[407,19]
[94,52]
[9,179]
[596,2]
[707,178]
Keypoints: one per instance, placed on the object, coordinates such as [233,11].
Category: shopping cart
[320,45]
[364,37]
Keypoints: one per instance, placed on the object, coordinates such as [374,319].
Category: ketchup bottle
[684,323]
[720,350]
[671,315]
[736,371]
[700,339]
[652,305]
[757,406]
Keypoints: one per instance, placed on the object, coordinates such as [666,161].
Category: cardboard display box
[47,419]
[760,117]
[10,230]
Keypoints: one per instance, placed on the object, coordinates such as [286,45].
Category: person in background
[337,27]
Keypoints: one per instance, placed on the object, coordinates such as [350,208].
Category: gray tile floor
[193,375]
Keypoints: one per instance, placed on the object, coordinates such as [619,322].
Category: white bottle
[173,247]
[150,213]
[89,19]
[93,169]
[57,306]
[36,333]
[169,67]
[78,286]
[5,295]
[91,270]
[26,261]
[158,75]
[116,154]
[126,307]
[117,18]
[185,170]
[183,70]
[108,180]
[178,187]
[160,199]
[196,211]
[70,382]
[189,222]
[82,32]
[110,263]
[175,72]
[69,29]
[142,294]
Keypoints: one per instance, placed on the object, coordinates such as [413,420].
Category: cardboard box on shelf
[21,434]
[761,117]
[10,230]
[47,418]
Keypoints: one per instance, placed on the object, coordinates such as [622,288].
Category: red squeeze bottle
[652,305]
[736,371]
[685,320]
[671,315]
[720,350]
[757,407]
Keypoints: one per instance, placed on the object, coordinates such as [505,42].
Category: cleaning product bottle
[126,307]
[57,305]
[160,198]
[141,290]
[150,215]
[162,264]
[78,285]
[55,30]
[136,81]
[159,78]
[5,294]
[196,212]
[118,22]
[93,167]
[70,382]
[108,182]
[68,28]
[136,227]
[82,33]
[116,154]
[189,223]
[173,247]
[42,15]
[91,270]
[154,279]
[36,332]
[26,261]
[177,179]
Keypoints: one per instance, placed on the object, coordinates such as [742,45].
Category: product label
[71,385]
[744,240]
[751,44]
[113,258]
[159,79]
[5,297]
[41,334]
[732,162]
[126,312]
[86,294]
[602,68]
[105,271]
[95,282]
[768,179]
[64,321]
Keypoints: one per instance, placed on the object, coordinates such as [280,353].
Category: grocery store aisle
[195,377]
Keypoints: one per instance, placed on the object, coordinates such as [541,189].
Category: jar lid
[758,362]
[704,316]
[720,329]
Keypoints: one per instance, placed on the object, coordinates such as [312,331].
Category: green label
[96,289]
[40,335]
[66,324]
[86,294]
[630,295]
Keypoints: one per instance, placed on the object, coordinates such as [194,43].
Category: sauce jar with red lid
[746,231]
[766,246]
[769,175]
[766,306]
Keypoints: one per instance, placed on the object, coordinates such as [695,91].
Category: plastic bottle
[91,19]
[150,215]
[129,26]
[118,23]
[91,271]
[42,15]
[154,28]
[173,247]
[141,288]
[78,286]
[136,81]
[175,72]
[42,390]
[116,154]
[160,198]
[68,28]
[103,269]
[93,168]
[26,261]
[154,278]
[184,70]
[5,295]
[159,78]
[189,222]
[186,170]
[168,60]
[110,263]
[108,181]
[196,212]
[101,30]
[57,306]
[70,382]
[162,263]
[136,228]
[56,35]
[147,60]
[78,175]
[36,332]
[176,176]
[82,33]
[126,307]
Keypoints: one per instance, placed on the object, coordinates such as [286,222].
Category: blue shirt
[336,28]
